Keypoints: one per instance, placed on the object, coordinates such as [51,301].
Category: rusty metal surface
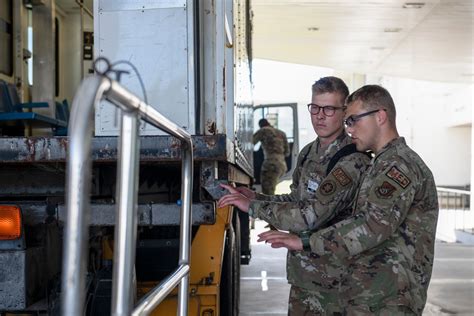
[104,214]
[104,149]
[236,175]
[38,179]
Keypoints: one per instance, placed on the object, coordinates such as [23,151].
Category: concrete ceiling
[426,40]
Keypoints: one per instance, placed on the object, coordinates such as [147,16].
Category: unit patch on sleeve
[327,187]
[385,190]
[341,177]
[396,175]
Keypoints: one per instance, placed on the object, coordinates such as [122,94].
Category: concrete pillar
[353,80]
[19,43]
[44,79]
[70,58]
[472,160]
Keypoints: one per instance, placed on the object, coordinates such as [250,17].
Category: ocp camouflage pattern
[388,242]
[275,149]
[306,209]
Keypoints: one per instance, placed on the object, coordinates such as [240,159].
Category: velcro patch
[385,190]
[341,177]
[396,175]
[327,187]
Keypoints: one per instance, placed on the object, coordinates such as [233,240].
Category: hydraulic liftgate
[91,91]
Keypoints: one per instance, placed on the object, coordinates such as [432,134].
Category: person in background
[275,149]
[388,242]
[325,181]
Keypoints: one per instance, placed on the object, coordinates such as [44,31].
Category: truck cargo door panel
[156,37]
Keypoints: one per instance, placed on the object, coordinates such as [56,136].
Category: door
[283,116]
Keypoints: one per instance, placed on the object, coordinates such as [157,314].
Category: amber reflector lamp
[10,222]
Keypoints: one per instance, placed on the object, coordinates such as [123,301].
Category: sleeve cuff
[252,209]
[259,196]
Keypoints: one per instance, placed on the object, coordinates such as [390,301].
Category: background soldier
[275,149]
[325,181]
[388,242]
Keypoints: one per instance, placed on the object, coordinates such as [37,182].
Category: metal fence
[457,203]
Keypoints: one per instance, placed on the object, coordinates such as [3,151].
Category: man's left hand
[279,239]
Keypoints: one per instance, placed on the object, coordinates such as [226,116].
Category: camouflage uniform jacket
[314,200]
[389,239]
[274,142]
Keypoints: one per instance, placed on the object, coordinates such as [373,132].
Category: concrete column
[44,79]
[70,58]
[472,160]
[353,80]
[19,43]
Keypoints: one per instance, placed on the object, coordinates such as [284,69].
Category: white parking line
[260,278]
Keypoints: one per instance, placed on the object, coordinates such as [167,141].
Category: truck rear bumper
[104,214]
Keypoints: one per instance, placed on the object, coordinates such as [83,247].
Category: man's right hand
[250,194]
[235,198]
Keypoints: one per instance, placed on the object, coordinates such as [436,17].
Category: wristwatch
[305,240]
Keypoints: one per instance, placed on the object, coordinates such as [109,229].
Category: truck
[74,237]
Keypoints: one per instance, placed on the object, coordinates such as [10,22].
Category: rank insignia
[385,190]
[328,187]
[396,175]
[341,177]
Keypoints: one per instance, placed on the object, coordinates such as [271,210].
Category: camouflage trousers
[389,310]
[307,303]
[271,171]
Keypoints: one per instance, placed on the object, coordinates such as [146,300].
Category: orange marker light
[10,222]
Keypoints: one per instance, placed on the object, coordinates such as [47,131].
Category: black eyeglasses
[328,110]
[351,120]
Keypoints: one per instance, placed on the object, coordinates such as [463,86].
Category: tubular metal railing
[91,91]
[457,202]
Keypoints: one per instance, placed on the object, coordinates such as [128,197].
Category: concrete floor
[451,290]
[263,287]
[264,290]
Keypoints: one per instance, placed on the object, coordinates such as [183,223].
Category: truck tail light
[10,222]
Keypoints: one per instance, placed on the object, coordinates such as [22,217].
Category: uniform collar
[341,140]
[391,144]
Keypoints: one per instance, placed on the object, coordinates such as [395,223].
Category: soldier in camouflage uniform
[316,199]
[275,149]
[388,242]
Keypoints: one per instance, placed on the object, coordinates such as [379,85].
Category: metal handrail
[447,195]
[449,190]
[89,94]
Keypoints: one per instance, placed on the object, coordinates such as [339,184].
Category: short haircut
[374,97]
[331,85]
[263,122]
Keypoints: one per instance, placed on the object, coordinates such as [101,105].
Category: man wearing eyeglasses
[325,181]
[388,242]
